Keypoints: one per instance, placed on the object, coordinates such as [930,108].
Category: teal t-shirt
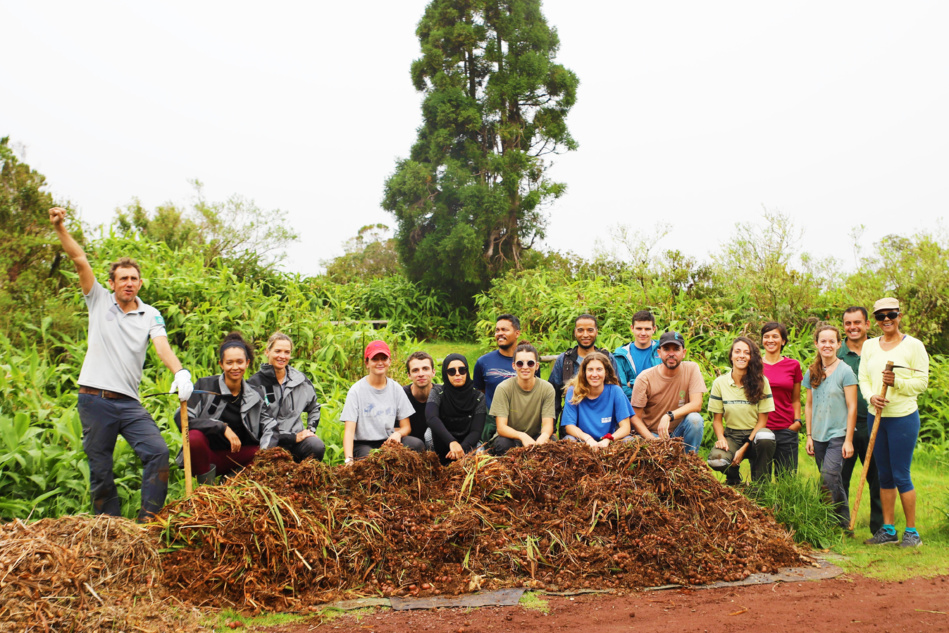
[829,405]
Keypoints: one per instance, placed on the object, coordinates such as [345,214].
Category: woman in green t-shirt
[739,403]
[830,414]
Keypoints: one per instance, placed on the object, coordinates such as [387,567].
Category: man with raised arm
[856,321]
[120,326]
[667,398]
[639,354]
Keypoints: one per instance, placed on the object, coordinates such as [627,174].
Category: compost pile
[83,574]
[556,517]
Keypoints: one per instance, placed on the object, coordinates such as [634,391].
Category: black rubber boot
[208,477]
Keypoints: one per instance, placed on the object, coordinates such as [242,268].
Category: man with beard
[856,325]
[421,369]
[495,367]
[667,398]
[585,330]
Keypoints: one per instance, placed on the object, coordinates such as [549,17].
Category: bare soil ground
[842,604]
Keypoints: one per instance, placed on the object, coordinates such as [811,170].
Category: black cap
[672,337]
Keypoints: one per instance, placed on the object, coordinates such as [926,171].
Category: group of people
[644,390]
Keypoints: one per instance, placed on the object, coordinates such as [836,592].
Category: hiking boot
[911,539]
[718,464]
[208,478]
[882,538]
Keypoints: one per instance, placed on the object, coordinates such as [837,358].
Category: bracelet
[348,460]
[608,436]
[747,441]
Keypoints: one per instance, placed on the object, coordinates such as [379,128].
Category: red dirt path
[841,604]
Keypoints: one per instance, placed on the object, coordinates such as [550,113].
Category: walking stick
[186,447]
[866,462]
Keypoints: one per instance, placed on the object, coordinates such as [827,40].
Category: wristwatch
[672,416]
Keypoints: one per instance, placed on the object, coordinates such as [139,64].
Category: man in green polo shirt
[856,325]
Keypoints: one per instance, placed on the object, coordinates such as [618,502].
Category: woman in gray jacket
[229,420]
[290,395]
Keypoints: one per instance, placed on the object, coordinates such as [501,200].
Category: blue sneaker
[911,539]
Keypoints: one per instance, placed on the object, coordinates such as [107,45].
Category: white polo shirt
[118,342]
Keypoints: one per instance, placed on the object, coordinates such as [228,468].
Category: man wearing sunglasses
[667,398]
[495,367]
[585,330]
[523,406]
[856,323]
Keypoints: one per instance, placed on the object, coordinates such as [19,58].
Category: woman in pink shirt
[785,377]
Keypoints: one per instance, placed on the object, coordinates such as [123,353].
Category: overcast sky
[696,114]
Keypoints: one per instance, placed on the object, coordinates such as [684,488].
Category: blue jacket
[625,369]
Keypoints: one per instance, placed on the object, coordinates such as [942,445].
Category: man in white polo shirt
[120,326]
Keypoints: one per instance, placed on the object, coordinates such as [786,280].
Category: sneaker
[882,538]
[911,539]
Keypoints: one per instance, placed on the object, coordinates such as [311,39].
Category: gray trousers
[830,461]
[103,420]
[785,451]
[310,447]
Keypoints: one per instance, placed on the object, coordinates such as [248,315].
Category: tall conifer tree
[469,199]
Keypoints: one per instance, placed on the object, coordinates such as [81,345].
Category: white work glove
[182,385]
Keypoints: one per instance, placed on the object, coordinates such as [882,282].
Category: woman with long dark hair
[228,419]
[784,376]
[455,411]
[830,413]
[596,412]
[740,402]
[899,420]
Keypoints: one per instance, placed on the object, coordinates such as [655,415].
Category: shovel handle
[866,462]
[186,447]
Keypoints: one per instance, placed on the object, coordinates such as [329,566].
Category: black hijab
[458,402]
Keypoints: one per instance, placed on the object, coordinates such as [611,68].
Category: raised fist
[57,215]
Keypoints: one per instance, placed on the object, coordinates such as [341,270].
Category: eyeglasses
[522,363]
[460,371]
[882,316]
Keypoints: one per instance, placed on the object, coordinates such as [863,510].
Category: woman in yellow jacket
[899,420]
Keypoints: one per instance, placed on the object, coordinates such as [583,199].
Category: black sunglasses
[882,316]
[529,363]
[461,371]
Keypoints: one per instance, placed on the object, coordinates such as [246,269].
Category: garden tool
[873,439]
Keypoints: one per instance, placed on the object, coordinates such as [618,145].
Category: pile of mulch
[84,574]
[556,517]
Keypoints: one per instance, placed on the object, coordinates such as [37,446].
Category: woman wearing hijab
[455,411]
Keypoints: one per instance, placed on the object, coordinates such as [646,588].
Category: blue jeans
[103,420]
[690,430]
[830,460]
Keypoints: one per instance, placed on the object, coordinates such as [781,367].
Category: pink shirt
[783,375]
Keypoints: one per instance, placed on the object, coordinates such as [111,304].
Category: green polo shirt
[729,399]
[853,361]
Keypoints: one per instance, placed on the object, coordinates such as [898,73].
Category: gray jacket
[204,411]
[288,402]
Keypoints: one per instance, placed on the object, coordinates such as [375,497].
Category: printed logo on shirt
[682,398]
[159,320]
[606,420]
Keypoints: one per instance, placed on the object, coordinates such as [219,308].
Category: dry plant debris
[284,536]
[84,573]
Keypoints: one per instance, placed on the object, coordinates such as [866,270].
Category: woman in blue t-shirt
[830,414]
[596,411]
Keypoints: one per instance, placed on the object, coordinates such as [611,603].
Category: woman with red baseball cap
[377,410]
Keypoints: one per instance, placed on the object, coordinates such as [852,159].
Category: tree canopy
[469,199]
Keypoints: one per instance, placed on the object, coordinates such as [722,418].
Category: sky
[695,115]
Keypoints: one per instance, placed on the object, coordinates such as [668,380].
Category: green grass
[222,621]
[440,349]
[532,600]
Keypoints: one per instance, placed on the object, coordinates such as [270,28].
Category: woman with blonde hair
[289,395]
[596,412]
[830,415]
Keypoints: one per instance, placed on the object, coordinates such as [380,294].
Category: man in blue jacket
[639,354]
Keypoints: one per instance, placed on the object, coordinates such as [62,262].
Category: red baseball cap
[377,347]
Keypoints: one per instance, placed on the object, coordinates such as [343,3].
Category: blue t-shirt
[599,416]
[829,404]
[490,371]
[642,358]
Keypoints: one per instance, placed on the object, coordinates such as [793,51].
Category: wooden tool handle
[186,447]
[866,461]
